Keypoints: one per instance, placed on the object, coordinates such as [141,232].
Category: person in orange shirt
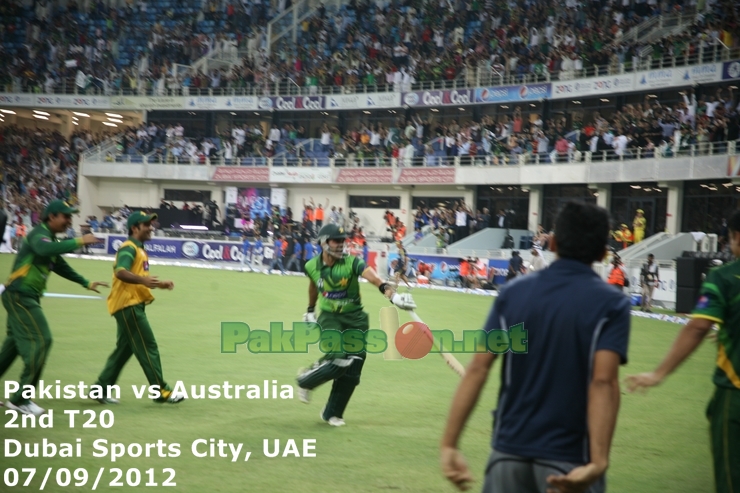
[617,276]
[627,237]
[308,217]
[320,215]
[400,230]
[468,276]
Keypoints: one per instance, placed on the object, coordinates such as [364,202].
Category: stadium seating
[159,47]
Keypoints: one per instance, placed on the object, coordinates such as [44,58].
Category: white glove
[309,317]
[403,301]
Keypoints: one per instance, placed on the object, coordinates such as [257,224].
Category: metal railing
[650,28]
[288,22]
[484,78]
[496,159]
[108,146]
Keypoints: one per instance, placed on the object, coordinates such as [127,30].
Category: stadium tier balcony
[349,48]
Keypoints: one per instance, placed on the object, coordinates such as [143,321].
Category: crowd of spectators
[39,166]
[637,130]
[450,224]
[391,44]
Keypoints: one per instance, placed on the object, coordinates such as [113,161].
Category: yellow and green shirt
[720,302]
[132,257]
[39,255]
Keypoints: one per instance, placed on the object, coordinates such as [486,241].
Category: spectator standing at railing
[325,138]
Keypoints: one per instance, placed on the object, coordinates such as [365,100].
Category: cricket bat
[451,361]
[389,323]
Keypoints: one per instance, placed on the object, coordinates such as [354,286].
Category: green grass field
[394,420]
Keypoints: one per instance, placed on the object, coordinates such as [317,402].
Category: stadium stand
[157,47]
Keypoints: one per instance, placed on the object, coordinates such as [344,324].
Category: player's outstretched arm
[371,276]
[452,461]
[44,246]
[686,343]
[63,269]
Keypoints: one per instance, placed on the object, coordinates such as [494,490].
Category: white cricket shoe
[333,421]
[108,400]
[30,408]
[304,395]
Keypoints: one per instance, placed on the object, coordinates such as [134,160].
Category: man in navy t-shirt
[559,396]
[257,254]
[295,258]
[277,255]
[246,253]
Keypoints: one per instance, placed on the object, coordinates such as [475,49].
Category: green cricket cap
[139,217]
[332,232]
[58,207]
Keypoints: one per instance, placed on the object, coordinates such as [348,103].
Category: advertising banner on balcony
[427,175]
[15,99]
[678,76]
[513,94]
[300,175]
[363,101]
[241,173]
[593,86]
[453,97]
[365,175]
[731,70]
[222,103]
[291,103]
[699,74]
[77,102]
[148,102]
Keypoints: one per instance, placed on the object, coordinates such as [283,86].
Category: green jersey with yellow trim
[38,256]
[719,301]
[339,289]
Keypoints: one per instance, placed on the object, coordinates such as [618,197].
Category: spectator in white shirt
[538,261]
[620,145]
[274,135]
[325,138]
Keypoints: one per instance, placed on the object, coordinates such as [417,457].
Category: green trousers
[724,417]
[28,336]
[134,337]
[343,368]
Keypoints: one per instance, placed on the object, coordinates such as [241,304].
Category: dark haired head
[582,232]
[734,223]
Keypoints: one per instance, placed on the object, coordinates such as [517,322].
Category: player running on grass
[334,285]
[718,303]
[28,332]
[401,265]
[128,298]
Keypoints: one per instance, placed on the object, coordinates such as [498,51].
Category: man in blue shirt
[277,255]
[257,254]
[295,258]
[307,250]
[246,253]
[559,396]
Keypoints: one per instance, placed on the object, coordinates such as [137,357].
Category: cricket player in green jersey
[335,286]
[719,302]
[28,333]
